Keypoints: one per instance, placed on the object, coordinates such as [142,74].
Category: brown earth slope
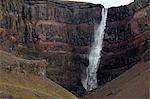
[62,33]
[133,84]
[30,87]
[26,83]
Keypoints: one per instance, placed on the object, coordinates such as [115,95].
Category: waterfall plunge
[90,81]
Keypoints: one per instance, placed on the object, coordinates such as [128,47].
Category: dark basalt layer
[126,39]
[62,33]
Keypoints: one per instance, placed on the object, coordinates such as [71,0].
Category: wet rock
[62,33]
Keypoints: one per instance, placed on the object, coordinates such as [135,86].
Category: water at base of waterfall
[89,80]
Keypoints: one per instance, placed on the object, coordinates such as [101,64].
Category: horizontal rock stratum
[12,64]
[62,33]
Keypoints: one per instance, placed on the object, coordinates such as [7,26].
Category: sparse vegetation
[32,87]
[27,86]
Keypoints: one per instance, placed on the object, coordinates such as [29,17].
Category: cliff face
[59,32]
[13,64]
[62,32]
[126,39]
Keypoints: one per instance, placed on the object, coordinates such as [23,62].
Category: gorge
[90,80]
[61,34]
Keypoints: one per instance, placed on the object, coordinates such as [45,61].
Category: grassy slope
[133,84]
[31,87]
[28,86]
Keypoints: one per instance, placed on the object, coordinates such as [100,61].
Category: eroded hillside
[62,33]
[20,78]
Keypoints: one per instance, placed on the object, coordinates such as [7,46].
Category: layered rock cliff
[62,33]
[126,39]
[13,64]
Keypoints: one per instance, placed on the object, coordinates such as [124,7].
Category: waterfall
[89,82]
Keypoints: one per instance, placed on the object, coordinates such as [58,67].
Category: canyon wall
[126,39]
[12,64]
[62,33]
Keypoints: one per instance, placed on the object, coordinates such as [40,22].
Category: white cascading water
[89,82]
